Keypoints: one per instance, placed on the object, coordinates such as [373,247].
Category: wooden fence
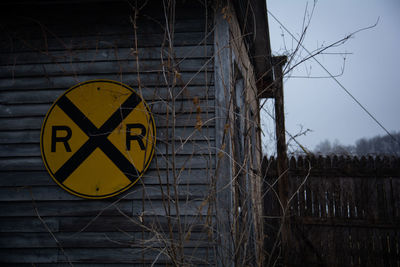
[343,212]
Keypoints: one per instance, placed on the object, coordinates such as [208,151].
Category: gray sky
[371,71]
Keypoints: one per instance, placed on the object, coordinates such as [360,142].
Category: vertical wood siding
[46,49]
[343,212]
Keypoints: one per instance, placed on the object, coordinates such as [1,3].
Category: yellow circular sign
[98,139]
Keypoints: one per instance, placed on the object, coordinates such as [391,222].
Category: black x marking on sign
[98,138]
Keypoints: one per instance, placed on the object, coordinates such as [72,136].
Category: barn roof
[252,16]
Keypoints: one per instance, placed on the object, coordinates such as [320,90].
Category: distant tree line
[378,145]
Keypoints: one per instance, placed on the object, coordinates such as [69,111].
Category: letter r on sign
[136,137]
[62,139]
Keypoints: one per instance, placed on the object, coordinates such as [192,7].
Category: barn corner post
[282,159]
[223,171]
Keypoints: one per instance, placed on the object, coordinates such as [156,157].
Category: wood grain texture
[164,134]
[42,96]
[131,79]
[96,255]
[93,240]
[193,177]
[162,121]
[182,148]
[100,67]
[162,163]
[105,54]
[93,208]
[138,192]
[156,107]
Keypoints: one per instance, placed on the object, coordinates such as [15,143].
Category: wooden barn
[201,67]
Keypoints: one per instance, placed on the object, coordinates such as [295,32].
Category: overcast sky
[371,70]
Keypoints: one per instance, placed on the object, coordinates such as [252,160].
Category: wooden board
[131,79]
[105,54]
[183,134]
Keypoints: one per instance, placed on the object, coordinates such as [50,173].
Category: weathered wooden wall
[47,48]
[246,146]
[343,211]
[238,143]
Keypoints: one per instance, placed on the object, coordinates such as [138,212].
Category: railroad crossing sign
[98,139]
